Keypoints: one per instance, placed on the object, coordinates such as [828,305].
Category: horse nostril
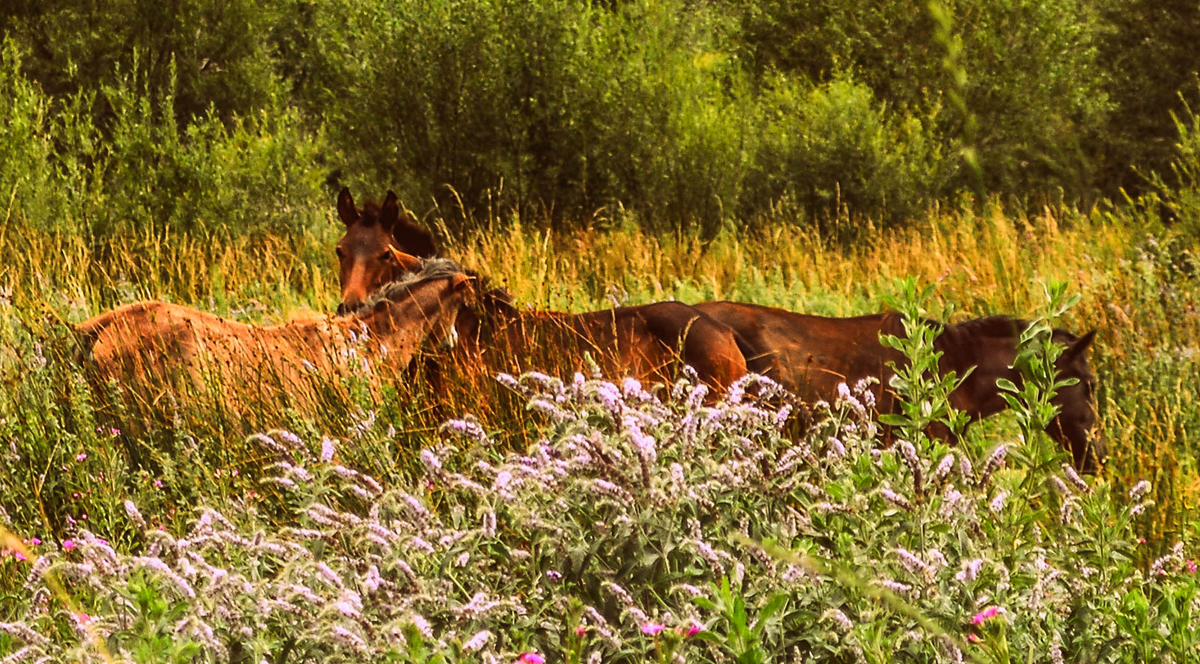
[342,309]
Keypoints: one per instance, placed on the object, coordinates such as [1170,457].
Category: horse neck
[987,357]
[403,331]
[495,311]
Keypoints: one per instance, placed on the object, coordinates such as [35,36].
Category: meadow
[274,490]
[953,160]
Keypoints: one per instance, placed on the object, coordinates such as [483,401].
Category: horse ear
[1079,347]
[390,211]
[460,281]
[345,207]
[409,263]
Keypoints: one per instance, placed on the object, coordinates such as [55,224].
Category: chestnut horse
[365,260]
[645,340]
[153,341]
[811,355]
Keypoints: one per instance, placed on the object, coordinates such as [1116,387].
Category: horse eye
[387,255]
[340,254]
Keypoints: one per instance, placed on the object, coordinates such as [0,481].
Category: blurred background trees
[243,116]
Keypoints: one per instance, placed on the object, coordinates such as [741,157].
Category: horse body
[153,342]
[642,340]
[811,355]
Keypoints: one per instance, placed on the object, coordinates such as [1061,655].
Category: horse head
[423,306]
[367,253]
[989,345]
[1076,425]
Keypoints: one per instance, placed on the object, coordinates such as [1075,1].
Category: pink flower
[83,618]
[974,638]
[652,628]
[581,630]
[68,544]
[18,555]
[81,456]
[35,541]
[695,629]
[1141,540]
[985,614]
[1191,565]
[157,484]
[531,658]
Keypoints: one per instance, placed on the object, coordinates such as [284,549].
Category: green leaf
[1006,385]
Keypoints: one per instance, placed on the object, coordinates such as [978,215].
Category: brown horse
[152,342]
[812,355]
[366,263]
[645,340]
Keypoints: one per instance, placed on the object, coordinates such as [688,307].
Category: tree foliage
[678,112]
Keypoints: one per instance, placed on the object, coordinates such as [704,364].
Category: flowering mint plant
[641,525]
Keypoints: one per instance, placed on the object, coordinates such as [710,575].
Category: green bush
[670,114]
[1182,192]
[834,146]
[59,169]
[205,53]
[1026,70]
[555,107]
[26,146]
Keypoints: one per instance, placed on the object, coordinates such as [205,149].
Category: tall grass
[1137,287]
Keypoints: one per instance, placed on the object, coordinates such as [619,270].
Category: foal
[149,342]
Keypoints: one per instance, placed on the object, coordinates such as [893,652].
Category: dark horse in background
[811,355]
[645,341]
[808,355]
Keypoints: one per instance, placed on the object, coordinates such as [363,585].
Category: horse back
[810,355]
[154,337]
[660,333]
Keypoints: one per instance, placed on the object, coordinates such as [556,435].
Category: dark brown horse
[811,355]
[645,340]
[148,344]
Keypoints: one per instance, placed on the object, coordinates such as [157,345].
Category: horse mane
[493,297]
[999,327]
[411,237]
[431,268]
[369,215]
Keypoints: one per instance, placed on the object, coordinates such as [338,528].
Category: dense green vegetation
[231,114]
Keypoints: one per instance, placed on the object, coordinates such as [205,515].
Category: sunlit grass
[1141,295]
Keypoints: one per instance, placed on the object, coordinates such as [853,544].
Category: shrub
[551,107]
[1027,73]
[834,146]
[142,170]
